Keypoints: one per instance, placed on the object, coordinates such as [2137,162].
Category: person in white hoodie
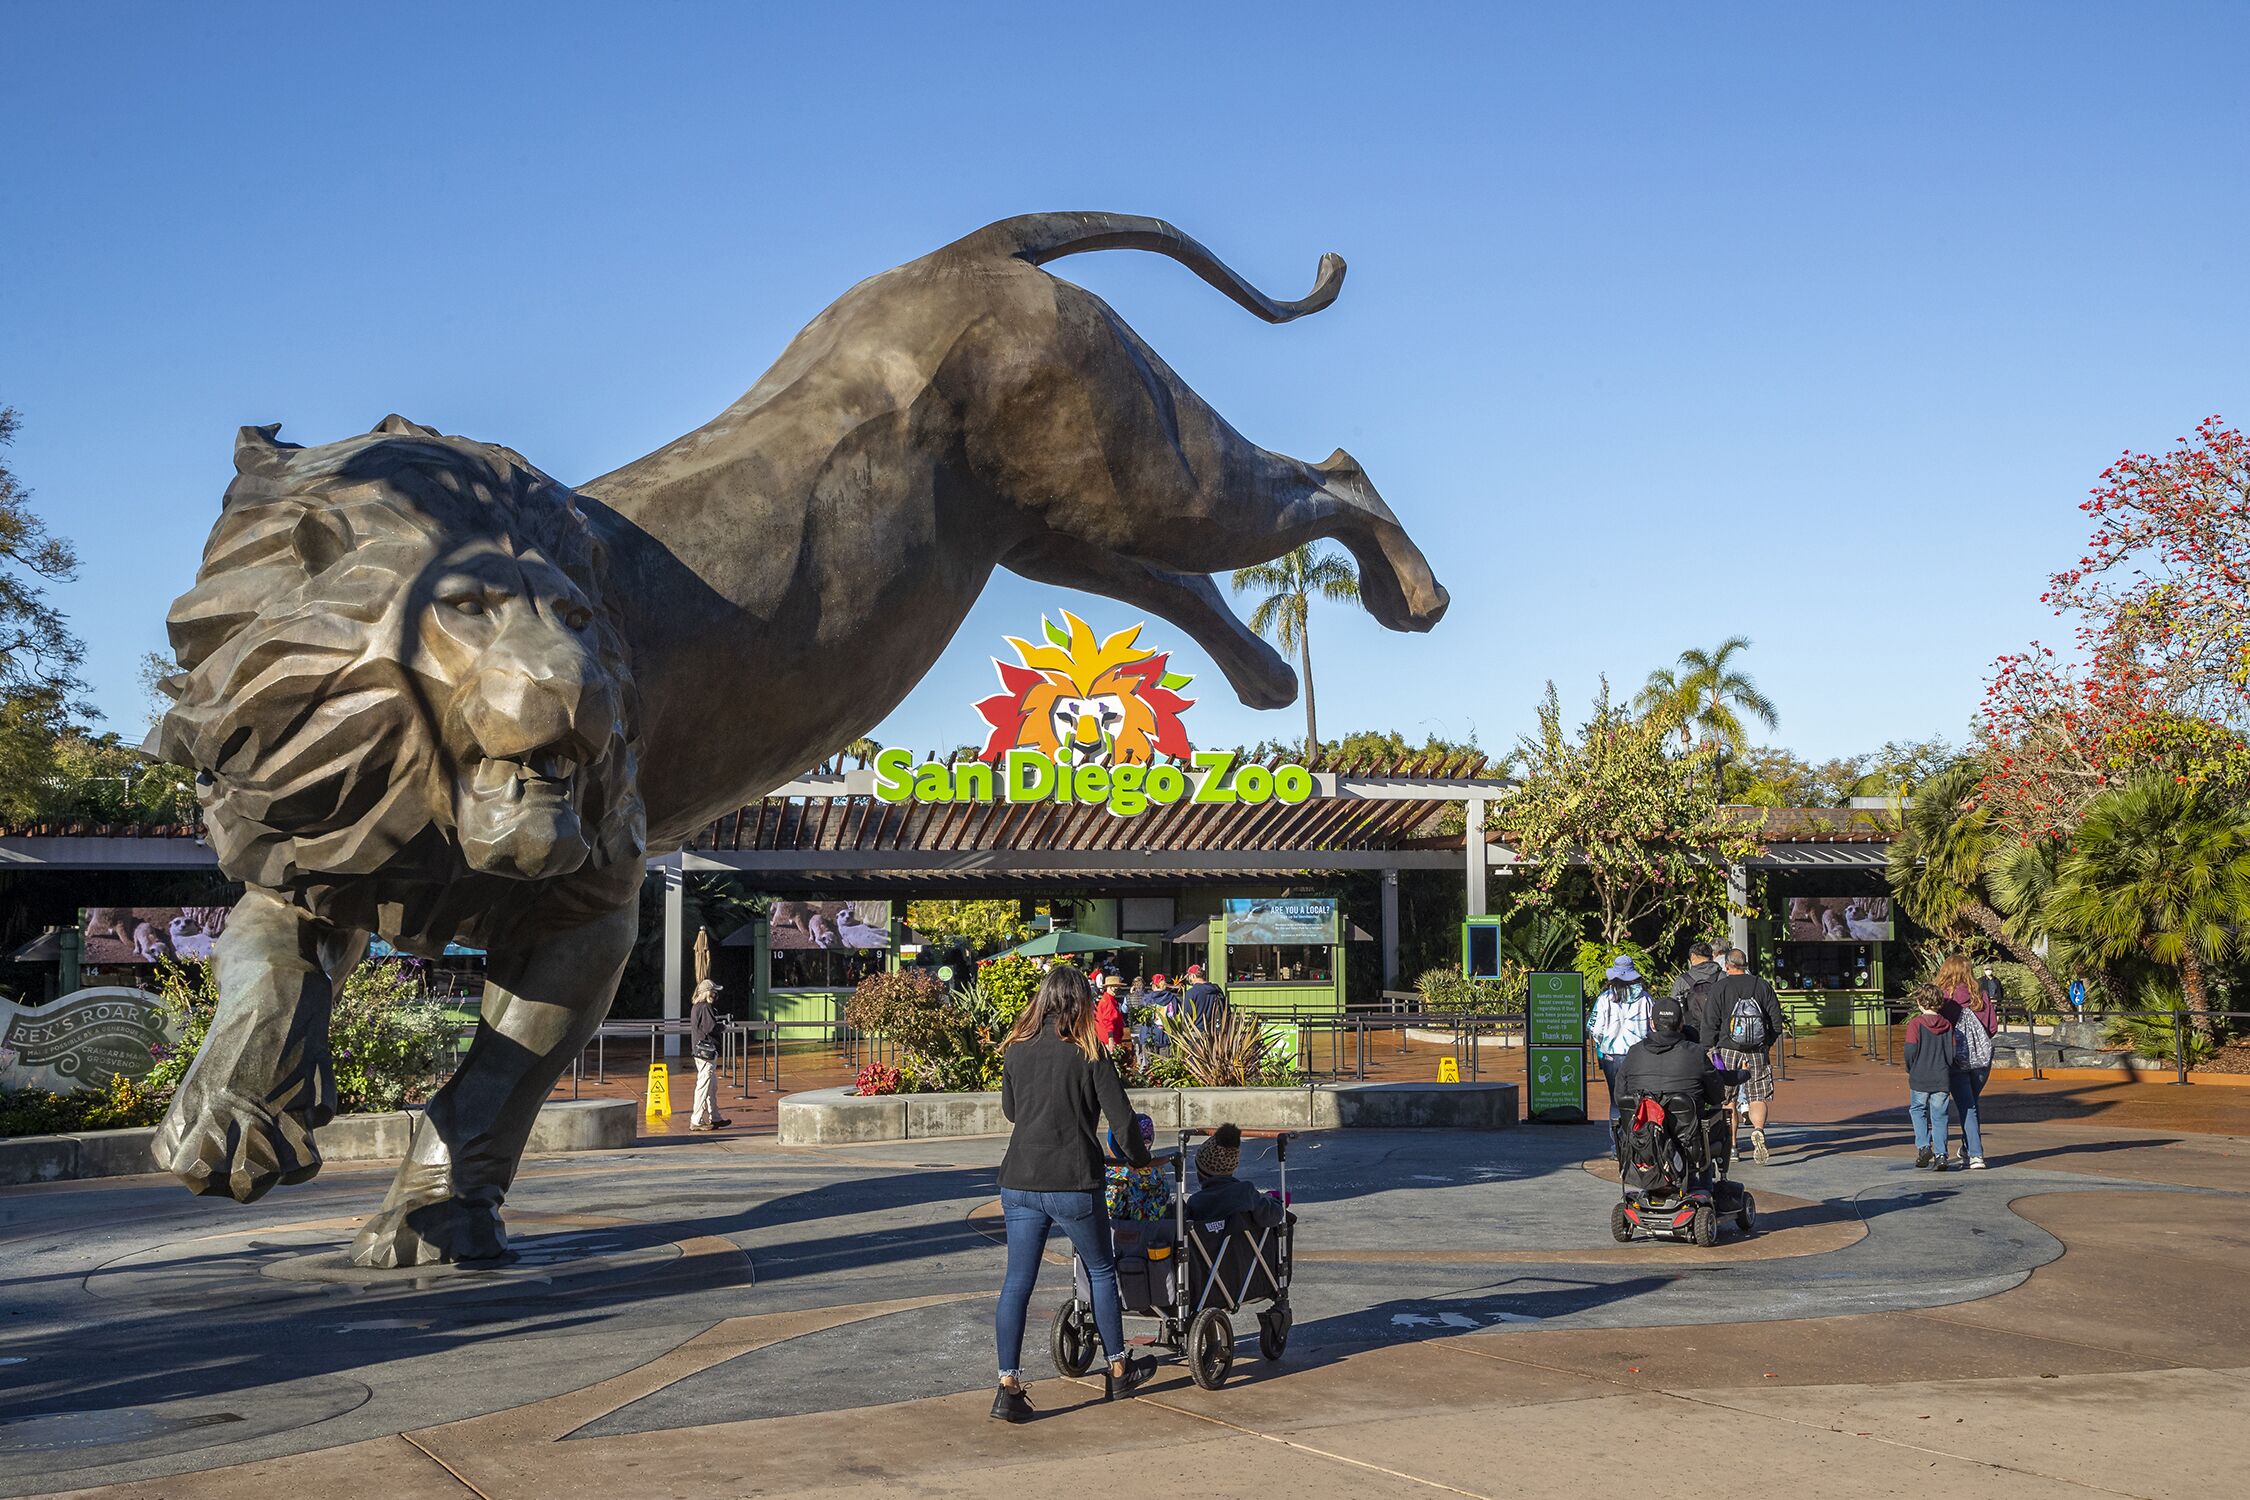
[1620,1019]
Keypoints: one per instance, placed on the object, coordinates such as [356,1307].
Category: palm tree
[1660,698]
[1938,865]
[1284,615]
[1712,692]
[2161,868]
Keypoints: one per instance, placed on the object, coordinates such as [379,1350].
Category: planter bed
[838,1116]
[566,1125]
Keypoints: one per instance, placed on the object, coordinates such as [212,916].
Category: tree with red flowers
[2161,676]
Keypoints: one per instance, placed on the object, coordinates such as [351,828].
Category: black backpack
[1698,1003]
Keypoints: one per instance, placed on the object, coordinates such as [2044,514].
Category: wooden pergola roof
[1362,814]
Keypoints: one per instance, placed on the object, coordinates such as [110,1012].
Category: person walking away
[1620,1019]
[1695,987]
[1749,1021]
[1056,1088]
[703,1029]
[1974,1019]
[1205,1001]
[1929,1079]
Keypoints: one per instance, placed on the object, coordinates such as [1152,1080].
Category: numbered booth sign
[1554,1054]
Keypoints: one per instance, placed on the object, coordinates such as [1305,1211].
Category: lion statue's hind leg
[543,999]
[263,1082]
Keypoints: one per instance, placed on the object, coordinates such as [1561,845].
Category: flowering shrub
[388,1044]
[877,1078]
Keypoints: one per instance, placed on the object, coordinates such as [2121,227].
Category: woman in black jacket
[1055,1086]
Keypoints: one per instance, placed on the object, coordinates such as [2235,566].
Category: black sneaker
[1922,1157]
[1938,1165]
[1011,1404]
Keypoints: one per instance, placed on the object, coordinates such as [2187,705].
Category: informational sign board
[2078,994]
[1448,1070]
[1282,921]
[1555,1059]
[659,1090]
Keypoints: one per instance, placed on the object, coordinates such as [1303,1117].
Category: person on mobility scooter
[1672,1139]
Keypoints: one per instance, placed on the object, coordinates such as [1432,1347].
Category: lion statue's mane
[302,699]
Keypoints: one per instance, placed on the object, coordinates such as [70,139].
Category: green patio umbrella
[1055,944]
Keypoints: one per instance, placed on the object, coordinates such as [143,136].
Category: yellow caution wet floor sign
[1448,1070]
[659,1090]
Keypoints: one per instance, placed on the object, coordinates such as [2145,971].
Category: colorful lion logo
[1107,703]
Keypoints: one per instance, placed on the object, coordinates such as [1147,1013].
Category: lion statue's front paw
[219,1141]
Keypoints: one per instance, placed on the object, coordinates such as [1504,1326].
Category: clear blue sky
[1665,322]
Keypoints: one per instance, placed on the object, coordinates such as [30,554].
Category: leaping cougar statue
[434,694]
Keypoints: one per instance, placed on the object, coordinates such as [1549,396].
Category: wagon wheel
[1073,1351]
[1210,1348]
[1273,1332]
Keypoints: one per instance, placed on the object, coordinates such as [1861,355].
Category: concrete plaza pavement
[717,1317]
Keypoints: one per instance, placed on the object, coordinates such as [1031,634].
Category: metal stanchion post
[2179,1043]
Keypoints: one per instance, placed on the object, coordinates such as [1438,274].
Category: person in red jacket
[1930,1041]
[1109,1013]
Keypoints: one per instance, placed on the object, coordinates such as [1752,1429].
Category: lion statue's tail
[1040,238]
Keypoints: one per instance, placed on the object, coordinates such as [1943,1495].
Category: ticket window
[1281,963]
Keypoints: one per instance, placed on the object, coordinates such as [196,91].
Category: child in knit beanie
[1221,1194]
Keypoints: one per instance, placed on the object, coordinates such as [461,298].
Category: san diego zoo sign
[1083,719]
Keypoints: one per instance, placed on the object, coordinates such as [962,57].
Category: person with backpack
[1620,1019]
[1695,987]
[1974,1020]
[1749,1023]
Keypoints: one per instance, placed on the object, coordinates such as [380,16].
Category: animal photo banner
[807,925]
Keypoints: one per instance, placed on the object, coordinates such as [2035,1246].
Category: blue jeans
[1927,1111]
[1612,1068]
[1084,1217]
[1967,1089]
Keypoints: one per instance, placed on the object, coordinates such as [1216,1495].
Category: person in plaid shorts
[1748,1016]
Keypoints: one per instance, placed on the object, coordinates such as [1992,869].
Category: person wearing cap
[1669,1061]
[703,1024]
[1620,1019]
[1219,1194]
[1204,1000]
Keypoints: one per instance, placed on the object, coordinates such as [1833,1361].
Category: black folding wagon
[1191,1279]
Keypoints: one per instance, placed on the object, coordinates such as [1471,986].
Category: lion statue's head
[398,669]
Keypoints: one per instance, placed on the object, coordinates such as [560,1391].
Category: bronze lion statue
[435,695]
